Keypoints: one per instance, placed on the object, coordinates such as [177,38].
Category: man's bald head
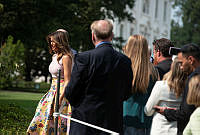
[102,29]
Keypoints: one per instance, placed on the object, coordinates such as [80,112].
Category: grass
[25,100]
[17,110]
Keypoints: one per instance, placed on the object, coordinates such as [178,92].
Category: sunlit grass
[26,100]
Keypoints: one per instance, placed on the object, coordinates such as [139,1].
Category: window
[144,31]
[145,7]
[121,30]
[131,31]
[154,38]
[146,34]
[165,11]
[156,9]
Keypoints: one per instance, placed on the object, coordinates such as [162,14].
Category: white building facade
[152,20]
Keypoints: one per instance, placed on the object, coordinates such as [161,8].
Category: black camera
[174,50]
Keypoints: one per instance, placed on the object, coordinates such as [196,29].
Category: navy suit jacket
[101,80]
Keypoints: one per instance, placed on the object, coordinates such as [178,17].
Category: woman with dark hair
[166,93]
[43,121]
[144,78]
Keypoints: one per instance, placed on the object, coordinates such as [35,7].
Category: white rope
[55,114]
[90,125]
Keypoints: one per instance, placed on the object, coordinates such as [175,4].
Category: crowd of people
[130,93]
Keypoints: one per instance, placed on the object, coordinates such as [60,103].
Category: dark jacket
[101,80]
[163,67]
[182,115]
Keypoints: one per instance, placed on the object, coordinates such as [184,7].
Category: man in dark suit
[101,80]
[162,58]
[189,57]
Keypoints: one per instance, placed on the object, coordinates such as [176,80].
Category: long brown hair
[62,43]
[176,78]
[137,50]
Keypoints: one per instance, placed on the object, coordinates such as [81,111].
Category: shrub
[11,62]
[14,119]
[29,86]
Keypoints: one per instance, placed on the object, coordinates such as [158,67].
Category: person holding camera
[189,56]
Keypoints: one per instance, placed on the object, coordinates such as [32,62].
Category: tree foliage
[11,62]
[32,20]
[189,30]
[1,7]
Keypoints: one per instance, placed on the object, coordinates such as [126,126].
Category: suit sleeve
[181,114]
[128,81]
[74,91]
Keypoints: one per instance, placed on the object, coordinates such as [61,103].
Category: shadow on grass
[28,105]
[14,119]
[16,111]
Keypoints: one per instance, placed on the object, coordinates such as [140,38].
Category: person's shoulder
[195,72]
[82,54]
[54,55]
[66,57]
[158,66]
[124,57]
[161,84]
[82,57]
[164,63]
[196,114]
[120,54]
[99,51]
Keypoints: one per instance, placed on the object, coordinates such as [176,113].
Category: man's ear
[159,53]
[191,60]
[93,37]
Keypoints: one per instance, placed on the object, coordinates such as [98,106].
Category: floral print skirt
[43,121]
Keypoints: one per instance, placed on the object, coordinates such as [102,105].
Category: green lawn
[16,111]
[26,100]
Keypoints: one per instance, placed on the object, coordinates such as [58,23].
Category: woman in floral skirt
[43,121]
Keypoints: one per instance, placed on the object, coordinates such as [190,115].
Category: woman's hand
[61,98]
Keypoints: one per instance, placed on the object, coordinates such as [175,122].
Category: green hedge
[13,119]
[25,86]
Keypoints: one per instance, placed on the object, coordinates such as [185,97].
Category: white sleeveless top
[55,65]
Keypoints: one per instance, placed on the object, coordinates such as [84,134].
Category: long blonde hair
[61,40]
[137,50]
[193,96]
[176,78]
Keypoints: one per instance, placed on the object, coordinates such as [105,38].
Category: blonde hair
[193,96]
[137,50]
[176,78]
[62,43]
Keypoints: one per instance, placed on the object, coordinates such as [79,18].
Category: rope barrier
[56,113]
[86,124]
